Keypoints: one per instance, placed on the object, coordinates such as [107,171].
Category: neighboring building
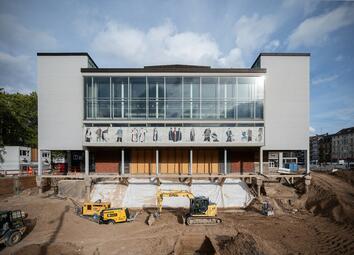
[321,148]
[174,119]
[343,145]
[314,149]
[15,159]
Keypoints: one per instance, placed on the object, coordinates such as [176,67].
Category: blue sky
[218,33]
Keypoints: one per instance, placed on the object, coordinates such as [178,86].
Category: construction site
[313,220]
[175,159]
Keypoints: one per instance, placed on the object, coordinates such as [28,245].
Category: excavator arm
[160,195]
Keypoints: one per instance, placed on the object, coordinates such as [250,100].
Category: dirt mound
[345,175]
[242,243]
[52,249]
[194,244]
[331,197]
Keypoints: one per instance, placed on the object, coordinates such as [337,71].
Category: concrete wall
[286,109]
[60,102]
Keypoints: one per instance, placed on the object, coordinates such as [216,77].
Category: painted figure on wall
[105,135]
[170,135]
[215,137]
[229,135]
[260,134]
[134,135]
[119,134]
[192,135]
[88,135]
[98,135]
[175,135]
[207,133]
[179,135]
[155,135]
[244,136]
[249,134]
[142,134]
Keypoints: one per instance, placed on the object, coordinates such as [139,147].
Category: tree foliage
[18,119]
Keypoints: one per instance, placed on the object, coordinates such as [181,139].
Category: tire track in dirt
[333,238]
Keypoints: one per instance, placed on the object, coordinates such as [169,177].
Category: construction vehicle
[91,210]
[116,215]
[267,209]
[12,227]
[201,210]
[94,209]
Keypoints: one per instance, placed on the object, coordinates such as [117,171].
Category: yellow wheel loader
[201,210]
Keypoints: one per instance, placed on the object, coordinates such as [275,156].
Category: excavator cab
[201,206]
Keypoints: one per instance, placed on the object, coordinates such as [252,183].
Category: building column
[157,161]
[87,161]
[261,160]
[280,159]
[122,163]
[190,162]
[225,161]
[307,158]
[68,158]
[39,159]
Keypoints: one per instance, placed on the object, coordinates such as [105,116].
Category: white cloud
[272,45]
[317,29]
[324,79]
[312,130]
[254,32]
[162,44]
[16,73]
[14,35]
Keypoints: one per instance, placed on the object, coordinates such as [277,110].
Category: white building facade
[174,119]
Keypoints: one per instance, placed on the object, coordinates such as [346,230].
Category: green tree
[18,119]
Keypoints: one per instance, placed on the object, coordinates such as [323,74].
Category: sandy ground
[57,230]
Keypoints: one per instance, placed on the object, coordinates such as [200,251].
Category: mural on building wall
[173,135]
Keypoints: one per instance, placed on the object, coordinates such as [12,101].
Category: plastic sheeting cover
[142,193]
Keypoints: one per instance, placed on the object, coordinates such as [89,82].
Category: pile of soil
[240,244]
[331,197]
[345,175]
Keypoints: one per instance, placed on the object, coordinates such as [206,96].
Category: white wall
[60,102]
[286,109]
[11,158]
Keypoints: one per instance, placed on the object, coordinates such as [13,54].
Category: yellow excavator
[201,210]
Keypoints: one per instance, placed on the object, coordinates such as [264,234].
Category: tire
[188,221]
[111,222]
[13,238]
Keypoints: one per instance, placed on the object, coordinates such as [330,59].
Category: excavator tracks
[200,220]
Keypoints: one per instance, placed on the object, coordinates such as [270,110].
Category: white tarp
[142,193]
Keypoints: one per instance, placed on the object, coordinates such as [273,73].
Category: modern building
[174,119]
[15,159]
[343,145]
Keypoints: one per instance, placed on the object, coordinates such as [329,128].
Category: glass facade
[224,98]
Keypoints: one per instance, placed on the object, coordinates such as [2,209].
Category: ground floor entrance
[178,161]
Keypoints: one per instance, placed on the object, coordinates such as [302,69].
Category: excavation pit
[194,244]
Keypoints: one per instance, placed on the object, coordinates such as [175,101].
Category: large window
[173,97]
[188,97]
[138,97]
